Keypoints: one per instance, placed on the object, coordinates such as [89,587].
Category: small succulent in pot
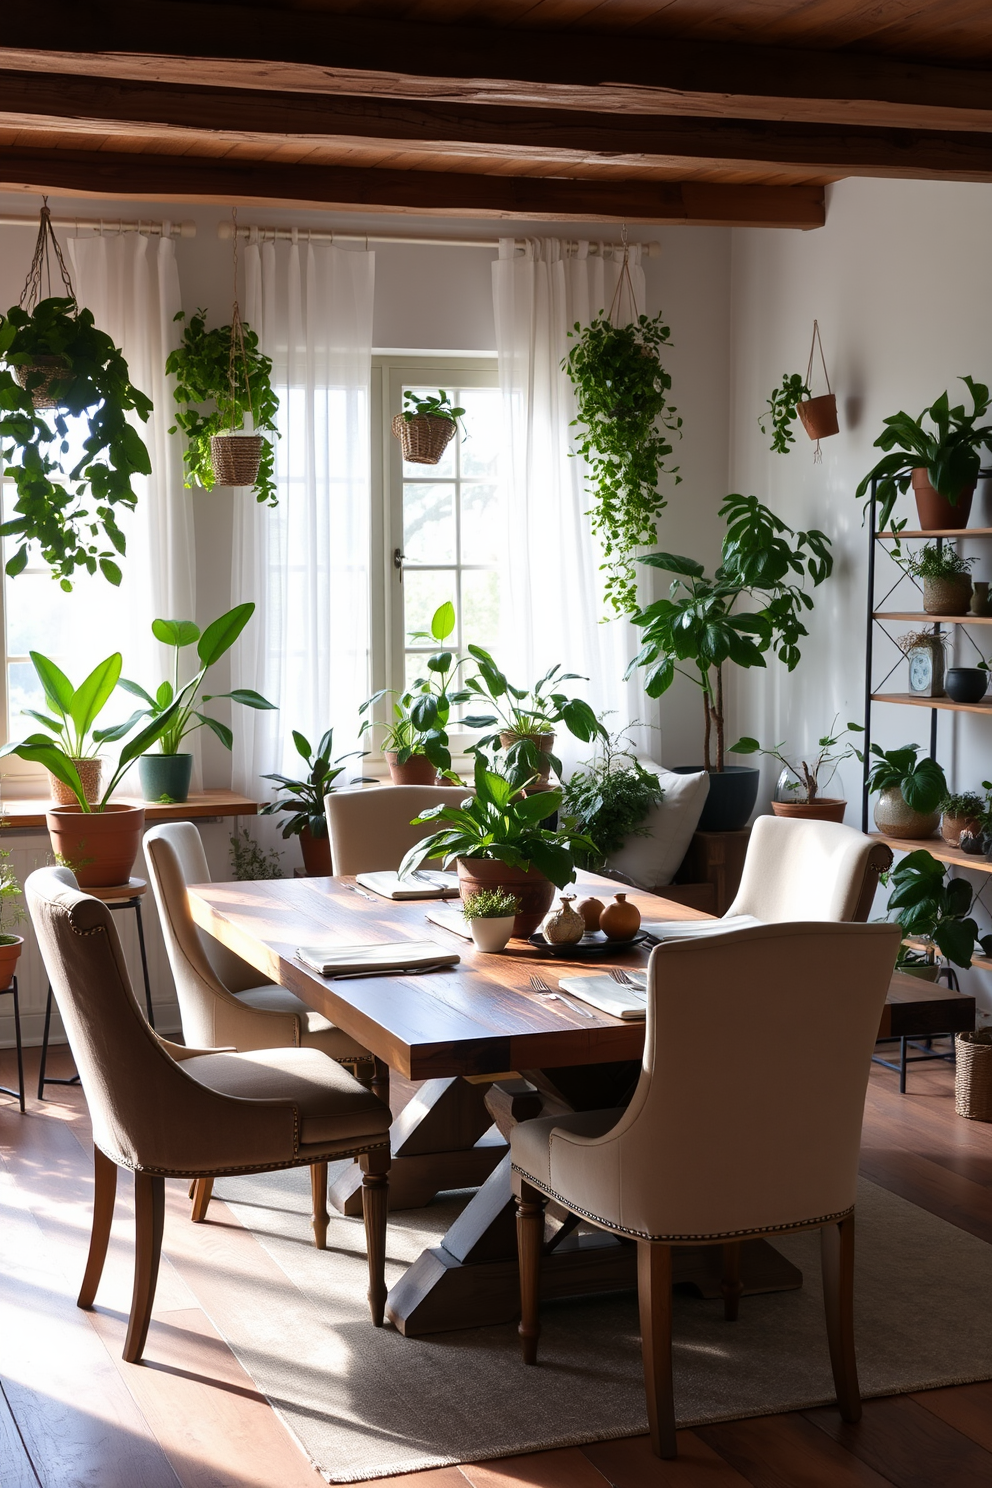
[490,914]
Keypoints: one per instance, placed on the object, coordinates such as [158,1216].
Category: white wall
[898,281]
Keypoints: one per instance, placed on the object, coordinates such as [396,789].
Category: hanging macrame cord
[816,342]
[46,244]
[624,283]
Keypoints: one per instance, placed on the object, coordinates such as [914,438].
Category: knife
[354,976]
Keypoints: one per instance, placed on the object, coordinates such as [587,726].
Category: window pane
[482,426]
[423,591]
[482,517]
[480,608]
[24,692]
[429,523]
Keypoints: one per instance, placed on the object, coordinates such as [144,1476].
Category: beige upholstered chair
[170,1112]
[808,870]
[370,829]
[728,1136]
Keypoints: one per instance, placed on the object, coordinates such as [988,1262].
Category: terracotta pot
[620,920]
[316,854]
[534,891]
[947,596]
[935,511]
[8,960]
[591,911]
[824,808]
[99,846]
[895,819]
[545,743]
[89,771]
[951,828]
[491,935]
[417,770]
[819,416]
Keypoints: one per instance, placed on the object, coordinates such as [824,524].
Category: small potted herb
[961,813]
[609,799]
[800,785]
[305,800]
[490,914]
[426,426]
[910,791]
[11,913]
[946,579]
[936,911]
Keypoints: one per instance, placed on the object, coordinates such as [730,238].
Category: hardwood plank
[433,1477]
[788,1451]
[18,1471]
[567,1467]
[18,814]
[932,1187]
[937,848]
[630,1463]
[968,1408]
[899,1439]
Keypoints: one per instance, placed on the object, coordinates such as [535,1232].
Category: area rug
[367,1403]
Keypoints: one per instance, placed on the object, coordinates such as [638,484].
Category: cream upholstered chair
[371,831]
[728,1136]
[808,870]
[170,1112]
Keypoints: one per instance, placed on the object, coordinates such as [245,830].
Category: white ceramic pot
[492,935]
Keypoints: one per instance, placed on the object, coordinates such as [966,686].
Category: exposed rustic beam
[309,51]
[266,119]
[196,178]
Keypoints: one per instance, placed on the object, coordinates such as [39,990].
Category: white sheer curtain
[131,284]
[555,603]
[306,562]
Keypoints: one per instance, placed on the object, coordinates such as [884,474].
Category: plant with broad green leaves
[305,798]
[921,781]
[931,908]
[501,823]
[782,411]
[434,405]
[419,725]
[526,713]
[182,701]
[762,559]
[72,711]
[490,904]
[91,380]
[625,419]
[806,784]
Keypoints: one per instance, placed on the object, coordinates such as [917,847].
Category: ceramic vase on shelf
[894,818]
[981,604]
[966,684]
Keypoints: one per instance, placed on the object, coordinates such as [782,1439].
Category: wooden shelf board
[931,619]
[918,700]
[978,960]
[19,814]
[937,532]
[937,848]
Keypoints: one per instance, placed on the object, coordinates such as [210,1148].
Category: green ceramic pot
[165,775]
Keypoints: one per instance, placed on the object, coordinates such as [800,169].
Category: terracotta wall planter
[947,596]
[316,854]
[819,416]
[534,891]
[935,511]
[99,846]
[824,808]
[896,819]
[417,770]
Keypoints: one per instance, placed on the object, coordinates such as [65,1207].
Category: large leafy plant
[763,561]
[921,781]
[419,723]
[181,703]
[304,798]
[625,420]
[41,749]
[227,391]
[68,508]
[72,711]
[500,822]
[609,799]
[948,450]
[523,712]
[934,909]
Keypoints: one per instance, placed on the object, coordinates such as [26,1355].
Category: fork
[362,894]
[547,995]
[619,975]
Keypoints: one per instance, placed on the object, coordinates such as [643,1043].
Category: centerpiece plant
[304,800]
[489,915]
[801,786]
[625,421]
[609,798]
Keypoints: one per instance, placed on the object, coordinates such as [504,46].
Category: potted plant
[782,411]
[961,813]
[11,913]
[56,358]
[250,861]
[220,389]
[415,741]
[72,712]
[935,911]
[942,463]
[490,915]
[608,798]
[946,579]
[426,426]
[765,562]
[496,840]
[305,800]
[910,791]
[794,399]
[99,841]
[165,776]
[625,419]
[524,719]
[800,786]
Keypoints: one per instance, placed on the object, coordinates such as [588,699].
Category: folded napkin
[693,929]
[449,919]
[396,955]
[602,992]
[419,885]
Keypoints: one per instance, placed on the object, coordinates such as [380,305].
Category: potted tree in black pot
[699,629]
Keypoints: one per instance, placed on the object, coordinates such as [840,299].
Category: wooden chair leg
[104,1193]
[731,1285]
[149,1218]
[375,1203]
[837,1261]
[530,1246]
[200,1192]
[654,1297]
[318,1196]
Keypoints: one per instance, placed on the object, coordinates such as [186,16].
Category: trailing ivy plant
[68,512]
[782,411]
[625,418]
[202,366]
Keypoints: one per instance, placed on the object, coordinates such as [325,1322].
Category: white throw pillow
[652,861]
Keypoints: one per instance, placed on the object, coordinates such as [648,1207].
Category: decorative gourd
[565,926]
[620,920]
[590,910]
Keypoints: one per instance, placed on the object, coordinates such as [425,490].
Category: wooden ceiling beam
[309,51]
[242,116]
[196,178]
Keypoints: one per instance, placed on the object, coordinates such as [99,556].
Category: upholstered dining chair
[370,829]
[808,870]
[165,1111]
[728,1137]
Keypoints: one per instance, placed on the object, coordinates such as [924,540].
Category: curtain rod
[329,235]
[105,225]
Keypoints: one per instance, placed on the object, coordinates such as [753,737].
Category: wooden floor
[72,1415]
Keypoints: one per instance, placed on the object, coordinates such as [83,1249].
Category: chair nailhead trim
[303,1162]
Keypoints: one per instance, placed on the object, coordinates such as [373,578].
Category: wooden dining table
[490,1051]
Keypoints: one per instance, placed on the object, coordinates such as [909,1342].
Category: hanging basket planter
[236,458]
[40,375]
[819,416]
[424,437]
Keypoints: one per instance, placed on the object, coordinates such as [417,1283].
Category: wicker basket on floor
[973,1075]
[235,458]
[424,438]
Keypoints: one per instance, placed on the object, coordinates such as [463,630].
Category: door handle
[398,557]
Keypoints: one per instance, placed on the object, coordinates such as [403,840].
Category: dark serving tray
[594,946]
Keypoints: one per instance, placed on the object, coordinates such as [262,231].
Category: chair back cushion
[370,829]
[803,870]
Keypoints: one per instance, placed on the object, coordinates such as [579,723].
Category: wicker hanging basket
[973,1075]
[424,438]
[235,458]
[51,369]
